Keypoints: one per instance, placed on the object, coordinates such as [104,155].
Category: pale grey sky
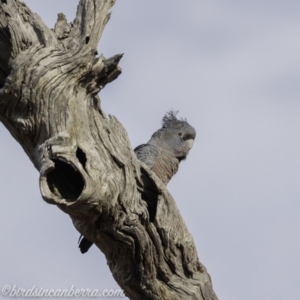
[232,68]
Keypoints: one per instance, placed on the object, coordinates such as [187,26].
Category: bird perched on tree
[162,154]
[167,147]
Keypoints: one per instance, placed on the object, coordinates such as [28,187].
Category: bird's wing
[147,153]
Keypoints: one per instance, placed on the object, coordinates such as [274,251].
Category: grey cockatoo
[167,147]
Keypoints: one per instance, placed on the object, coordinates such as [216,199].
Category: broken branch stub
[48,101]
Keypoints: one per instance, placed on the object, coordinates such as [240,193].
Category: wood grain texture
[50,80]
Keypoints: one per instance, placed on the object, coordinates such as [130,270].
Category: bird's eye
[180,134]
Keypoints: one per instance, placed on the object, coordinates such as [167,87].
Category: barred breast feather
[160,161]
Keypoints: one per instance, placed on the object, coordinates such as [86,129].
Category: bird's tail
[84,244]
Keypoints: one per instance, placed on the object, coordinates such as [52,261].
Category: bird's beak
[190,143]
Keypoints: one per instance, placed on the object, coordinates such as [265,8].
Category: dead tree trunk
[49,102]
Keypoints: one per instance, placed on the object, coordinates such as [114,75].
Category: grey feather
[147,153]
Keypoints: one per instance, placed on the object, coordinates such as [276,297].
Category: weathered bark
[48,101]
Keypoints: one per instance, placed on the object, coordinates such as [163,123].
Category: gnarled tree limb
[48,101]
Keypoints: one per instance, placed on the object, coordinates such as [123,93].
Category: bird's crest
[170,119]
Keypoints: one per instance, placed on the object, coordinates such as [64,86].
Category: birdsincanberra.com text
[15,292]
